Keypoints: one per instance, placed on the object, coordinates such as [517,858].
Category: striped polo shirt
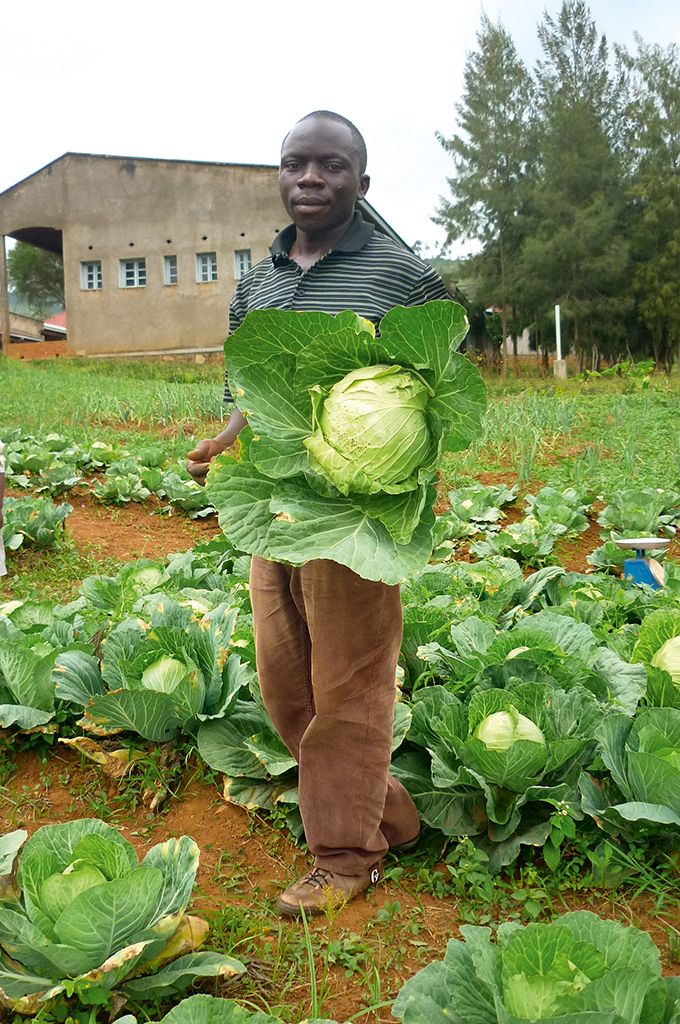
[367,272]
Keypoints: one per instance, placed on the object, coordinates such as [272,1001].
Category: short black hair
[357,137]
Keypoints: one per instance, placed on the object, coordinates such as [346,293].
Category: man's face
[319,176]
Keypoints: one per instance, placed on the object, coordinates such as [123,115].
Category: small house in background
[54,328]
[152,249]
[34,338]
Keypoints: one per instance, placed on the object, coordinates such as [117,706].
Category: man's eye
[335,167]
[291,165]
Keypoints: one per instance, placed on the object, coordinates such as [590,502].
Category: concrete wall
[523,342]
[112,208]
[36,349]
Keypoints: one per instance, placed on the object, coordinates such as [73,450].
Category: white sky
[224,81]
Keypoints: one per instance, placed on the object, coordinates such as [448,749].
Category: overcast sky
[224,81]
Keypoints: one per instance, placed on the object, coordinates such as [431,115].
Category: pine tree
[493,161]
[654,117]
[576,252]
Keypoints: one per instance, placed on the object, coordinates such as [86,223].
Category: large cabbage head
[577,968]
[502,729]
[503,745]
[372,430]
[668,658]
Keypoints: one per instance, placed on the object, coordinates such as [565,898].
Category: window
[132,273]
[242,262]
[91,275]
[206,266]
[169,270]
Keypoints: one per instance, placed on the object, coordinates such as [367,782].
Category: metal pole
[560,368]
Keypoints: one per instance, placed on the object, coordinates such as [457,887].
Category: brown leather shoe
[320,890]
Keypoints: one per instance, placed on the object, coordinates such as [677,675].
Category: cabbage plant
[27,693]
[544,647]
[578,969]
[36,521]
[84,908]
[204,1009]
[658,642]
[497,767]
[346,434]
[159,675]
[643,759]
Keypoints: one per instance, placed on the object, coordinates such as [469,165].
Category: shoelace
[318,878]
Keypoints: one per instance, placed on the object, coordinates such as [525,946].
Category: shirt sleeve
[429,286]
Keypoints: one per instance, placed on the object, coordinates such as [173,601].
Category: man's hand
[200,458]
[206,450]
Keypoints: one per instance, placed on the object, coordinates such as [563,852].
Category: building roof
[57,322]
[137,159]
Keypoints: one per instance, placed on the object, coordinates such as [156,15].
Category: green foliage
[37,277]
[55,464]
[643,757]
[654,119]
[494,164]
[568,180]
[466,785]
[204,1009]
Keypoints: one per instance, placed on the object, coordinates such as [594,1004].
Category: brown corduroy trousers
[327,643]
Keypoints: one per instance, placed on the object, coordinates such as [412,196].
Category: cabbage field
[149,810]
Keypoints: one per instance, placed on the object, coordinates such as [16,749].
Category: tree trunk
[546,361]
[594,357]
[502,362]
[504,310]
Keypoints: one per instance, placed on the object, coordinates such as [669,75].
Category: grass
[589,435]
[114,400]
[53,574]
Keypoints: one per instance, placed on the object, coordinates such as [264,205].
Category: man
[327,640]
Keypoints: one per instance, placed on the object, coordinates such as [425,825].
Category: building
[152,249]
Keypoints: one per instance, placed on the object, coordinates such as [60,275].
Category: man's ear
[364,182]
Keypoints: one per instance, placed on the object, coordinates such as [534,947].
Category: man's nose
[310,175]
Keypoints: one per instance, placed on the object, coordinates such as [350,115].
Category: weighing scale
[642,568]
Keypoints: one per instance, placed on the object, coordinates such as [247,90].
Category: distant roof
[58,320]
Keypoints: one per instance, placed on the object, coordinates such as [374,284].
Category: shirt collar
[355,238]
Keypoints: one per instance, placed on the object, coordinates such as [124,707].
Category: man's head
[358,143]
[322,171]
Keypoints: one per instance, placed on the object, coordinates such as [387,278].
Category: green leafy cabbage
[579,969]
[346,434]
[643,758]
[86,909]
[502,795]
